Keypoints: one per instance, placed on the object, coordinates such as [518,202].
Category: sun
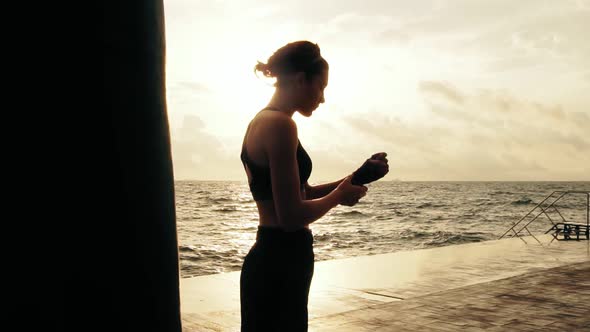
[237,87]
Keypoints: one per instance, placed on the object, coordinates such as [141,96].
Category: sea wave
[226,209]
[501,193]
[218,200]
[522,201]
[186,248]
[430,205]
[445,238]
[353,214]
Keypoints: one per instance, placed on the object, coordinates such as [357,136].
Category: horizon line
[397,180]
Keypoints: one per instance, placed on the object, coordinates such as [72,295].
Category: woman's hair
[299,56]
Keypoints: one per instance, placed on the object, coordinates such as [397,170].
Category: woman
[277,272]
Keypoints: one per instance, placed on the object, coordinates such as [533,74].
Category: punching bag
[136,272]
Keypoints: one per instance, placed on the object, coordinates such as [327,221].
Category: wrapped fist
[373,169]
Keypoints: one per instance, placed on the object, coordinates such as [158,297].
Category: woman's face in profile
[313,94]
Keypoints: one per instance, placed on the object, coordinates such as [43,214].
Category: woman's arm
[373,169]
[321,190]
[292,210]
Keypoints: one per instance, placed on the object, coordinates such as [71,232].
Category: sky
[461,90]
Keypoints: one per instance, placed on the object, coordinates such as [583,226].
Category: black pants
[275,280]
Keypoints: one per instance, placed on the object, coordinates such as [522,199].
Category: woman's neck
[282,102]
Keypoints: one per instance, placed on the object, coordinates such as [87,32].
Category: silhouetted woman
[277,272]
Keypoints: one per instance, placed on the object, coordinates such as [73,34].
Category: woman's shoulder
[275,122]
[274,130]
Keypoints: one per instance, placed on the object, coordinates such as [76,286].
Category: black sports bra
[260,184]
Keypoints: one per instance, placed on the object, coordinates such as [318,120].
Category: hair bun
[299,56]
[263,68]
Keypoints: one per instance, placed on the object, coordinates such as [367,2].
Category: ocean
[217,220]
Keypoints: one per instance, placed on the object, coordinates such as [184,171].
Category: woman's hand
[373,169]
[350,194]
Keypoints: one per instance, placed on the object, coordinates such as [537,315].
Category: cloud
[582,5]
[443,89]
[529,132]
[552,37]
[393,35]
[489,106]
[182,96]
[197,154]
[510,63]
[481,135]
[493,142]
[410,146]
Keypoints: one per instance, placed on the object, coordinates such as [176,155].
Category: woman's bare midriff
[267,213]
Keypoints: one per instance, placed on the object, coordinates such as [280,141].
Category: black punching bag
[136,272]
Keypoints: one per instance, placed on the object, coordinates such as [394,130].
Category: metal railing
[557,195]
